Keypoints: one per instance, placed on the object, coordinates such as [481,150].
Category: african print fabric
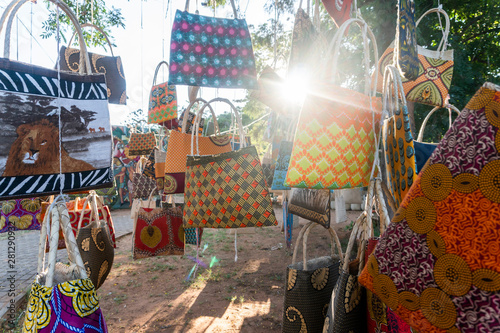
[211,52]
[23,214]
[227,190]
[339,10]
[438,264]
[281,168]
[406,39]
[399,153]
[435,72]
[162,104]
[158,232]
[334,144]
[71,306]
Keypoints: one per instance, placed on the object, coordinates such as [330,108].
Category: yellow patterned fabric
[399,154]
[38,311]
[334,143]
[82,292]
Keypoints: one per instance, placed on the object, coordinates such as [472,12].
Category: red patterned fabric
[158,232]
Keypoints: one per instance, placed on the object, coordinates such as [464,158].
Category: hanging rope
[61,182]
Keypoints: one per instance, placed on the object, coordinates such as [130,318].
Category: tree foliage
[87,11]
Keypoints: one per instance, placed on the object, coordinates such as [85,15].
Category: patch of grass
[276,277]
[350,226]
[154,278]
[120,299]
[241,299]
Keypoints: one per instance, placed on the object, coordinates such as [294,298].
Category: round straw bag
[309,285]
[95,244]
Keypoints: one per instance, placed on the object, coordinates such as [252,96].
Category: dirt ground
[154,295]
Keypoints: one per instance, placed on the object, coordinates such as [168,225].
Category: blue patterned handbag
[211,52]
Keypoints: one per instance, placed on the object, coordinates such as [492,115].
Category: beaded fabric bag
[437,265]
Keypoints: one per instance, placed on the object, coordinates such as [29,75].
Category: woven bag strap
[186,113]
[446,32]
[10,12]
[426,119]
[367,36]
[163,62]
[233,6]
[334,239]
[90,25]
[198,116]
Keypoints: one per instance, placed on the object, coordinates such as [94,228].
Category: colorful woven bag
[282,163]
[62,297]
[21,214]
[162,102]
[334,142]
[397,138]
[437,265]
[435,70]
[211,52]
[227,190]
[141,143]
[424,150]
[406,58]
[181,144]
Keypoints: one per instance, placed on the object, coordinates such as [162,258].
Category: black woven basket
[309,287]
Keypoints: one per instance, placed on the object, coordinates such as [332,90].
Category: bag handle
[391,75]
[235,12]
[11,10]
[90,25]
[444,40]
[426,119]
[91,200]
[367,35]
[57,215]
[243,142]
[186,113]
[163,62]
[334,239]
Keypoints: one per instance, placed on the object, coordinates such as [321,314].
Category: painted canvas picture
[37,145]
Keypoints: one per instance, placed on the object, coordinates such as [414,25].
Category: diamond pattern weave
[334,143]
[227,191]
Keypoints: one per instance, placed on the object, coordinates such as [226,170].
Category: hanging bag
[31,93]
[95,243]
[339,10]
[158,232]
[313,205]
[309,285]
[424,150]
[406,57]
[397,138]
[141,143]
[347,309]
[163,102]
[142,185]
[110,66]
[61,296]
[226,190]
[334,141]
[211,52]
[435,73]
[180,145]
[436,264]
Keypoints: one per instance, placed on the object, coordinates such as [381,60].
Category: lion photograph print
[38,143]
